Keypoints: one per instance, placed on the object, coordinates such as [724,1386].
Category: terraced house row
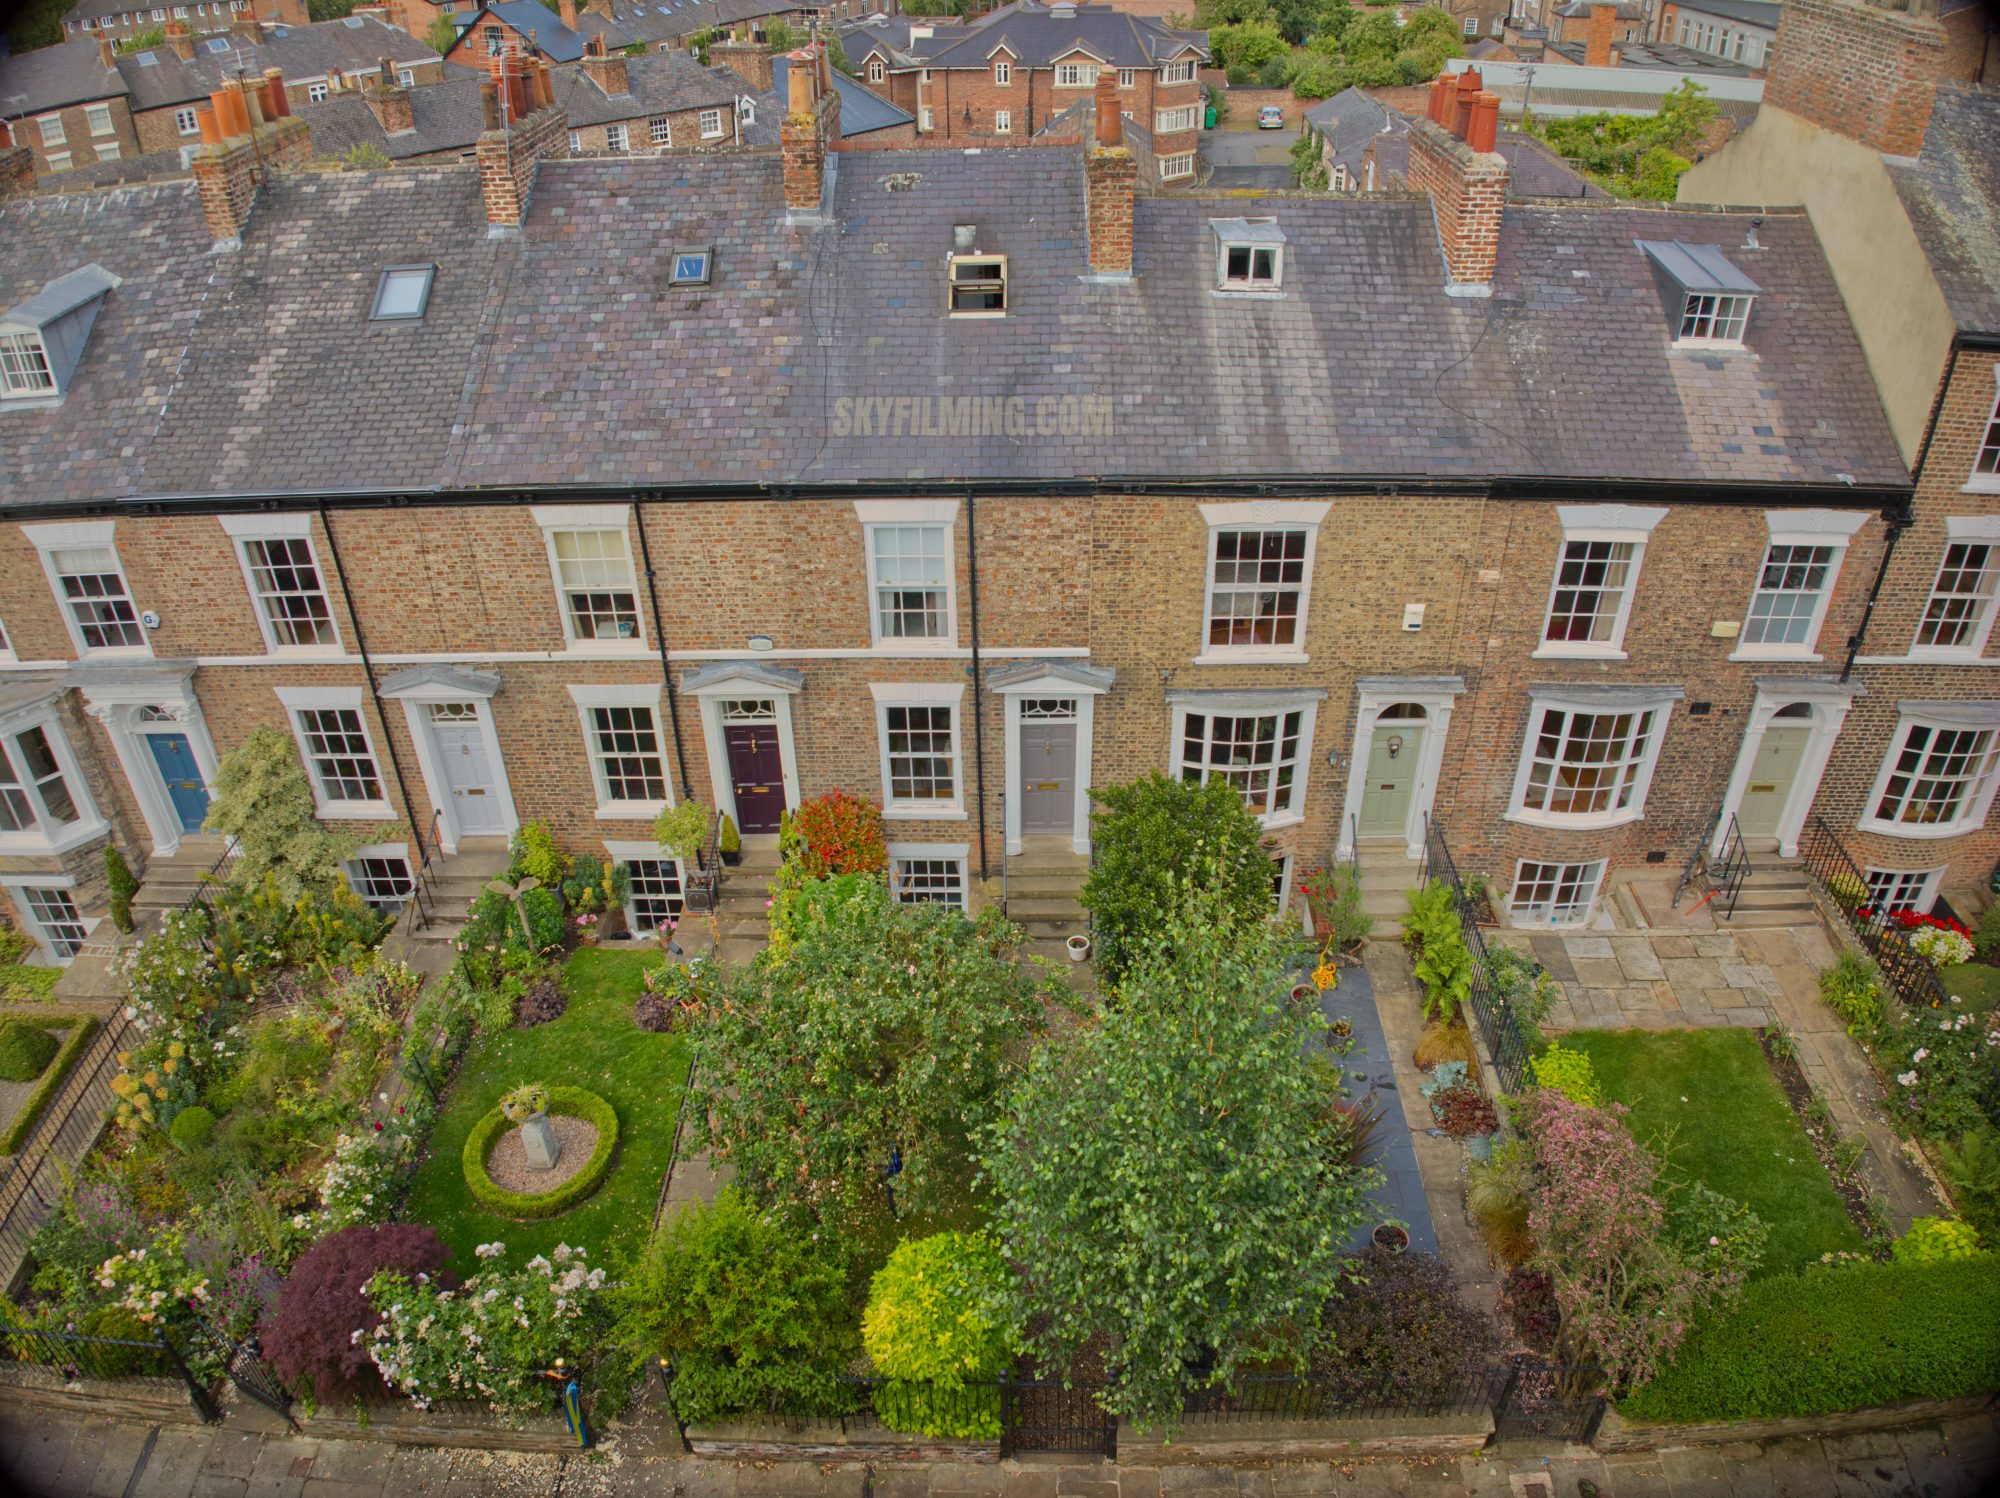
[523,490]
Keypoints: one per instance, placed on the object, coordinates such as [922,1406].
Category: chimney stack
[1110,178]
[608,73]
[106,53]
[569,14]
[1598,38]
[1868,73]
[1455,161]
[390,104]
[239,151]
[531,127]
[17,165]
[811,123]
[180,41]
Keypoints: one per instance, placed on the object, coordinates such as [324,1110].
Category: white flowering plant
[1943,1064]
[1945,948]
[495,1337]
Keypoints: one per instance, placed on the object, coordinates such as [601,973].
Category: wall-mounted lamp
[1335,758]
[759,642]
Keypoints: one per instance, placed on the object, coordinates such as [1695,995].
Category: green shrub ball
[529,1207]
[25,1050]
[192,1127]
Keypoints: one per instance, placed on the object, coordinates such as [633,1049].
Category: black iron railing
[37,1358]
[422,902]
[1908,973]
[202,896]
[1492,1009]
[1723,867]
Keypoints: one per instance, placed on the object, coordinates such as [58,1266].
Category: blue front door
[182,776]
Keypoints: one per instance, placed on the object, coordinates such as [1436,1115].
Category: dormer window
[42,339]
[402,293]
[874,70]
[1707,297]
[1250,254]
[978,286]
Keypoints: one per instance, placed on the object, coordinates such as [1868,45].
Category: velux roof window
[1249,254]
[691,266]
[1708,298]
[402,293]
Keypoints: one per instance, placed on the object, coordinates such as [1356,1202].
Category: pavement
[45,1454]
[1239,155]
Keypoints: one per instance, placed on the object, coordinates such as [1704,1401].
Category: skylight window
[690,267]
[221,44]
[402,293]
[353,23]
[148,60]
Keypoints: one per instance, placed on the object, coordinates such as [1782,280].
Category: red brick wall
[1031,97]
[82,146]
[1865,73]
[1469,190]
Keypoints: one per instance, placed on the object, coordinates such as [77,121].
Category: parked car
[1270,117]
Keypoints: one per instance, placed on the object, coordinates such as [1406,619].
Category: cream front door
[1772,775]
[1392,778]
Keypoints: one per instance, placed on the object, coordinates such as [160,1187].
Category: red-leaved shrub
[310,1337]
[837,834]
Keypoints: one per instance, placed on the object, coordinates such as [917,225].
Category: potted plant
[1078,947]
[1848,890]
[614,890]
[683,830]
[1390,1238]
[730,842]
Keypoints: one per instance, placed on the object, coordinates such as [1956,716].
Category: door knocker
[1395,745]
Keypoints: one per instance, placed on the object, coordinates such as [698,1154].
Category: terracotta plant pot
[1390,1238]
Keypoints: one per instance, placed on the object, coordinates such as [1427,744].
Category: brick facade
[1860,71]
[81,144]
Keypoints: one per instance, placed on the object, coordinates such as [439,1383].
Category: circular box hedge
[525,1206]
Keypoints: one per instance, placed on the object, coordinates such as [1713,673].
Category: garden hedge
[524,1206]
[81,1028]
[1843,1338]
[26,1049]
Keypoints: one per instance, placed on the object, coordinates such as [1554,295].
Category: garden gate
[1039,1414]
[1548,1402]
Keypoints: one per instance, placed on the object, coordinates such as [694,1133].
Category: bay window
[1937,780]
[1589,755]
[1258,743]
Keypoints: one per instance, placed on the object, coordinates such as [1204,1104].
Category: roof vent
[964,237]
[353,23]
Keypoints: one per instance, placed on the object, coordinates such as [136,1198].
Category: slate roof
[662,20]
[1762,13]
[658,83]
[301,53]
[1628,10]
[533,19]
[1660,56]
[1952,195]
[1537,172]
[53,77]
[1352,118]
[564,358]
[448,116]
[862,110]
[1037,37]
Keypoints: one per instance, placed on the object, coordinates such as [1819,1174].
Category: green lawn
[1975,982]
[1730,1126]
[594,1045]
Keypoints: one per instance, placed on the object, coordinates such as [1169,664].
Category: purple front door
[756,774]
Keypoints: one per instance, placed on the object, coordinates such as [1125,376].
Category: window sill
[1252,655]
[1277,820]
[116,653]
[33,845]
[629,811]
[1775,653]
[356,811]
[1578,653]
[1933,657]
[1597,821]
[306,652]
[947,813]
[605,649]
[1981,486]
[1909,832]
[915,647]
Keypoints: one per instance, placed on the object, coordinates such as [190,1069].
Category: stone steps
[1387,876]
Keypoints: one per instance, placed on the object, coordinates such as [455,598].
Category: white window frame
[1919,885]
[1250,281]
[1173,121]
[1127,77]
[875,70]
[1586,873]
[1947,717]
[407,77]
[1633,701]
[924,118]
[1176,166]
[952,853]
[18,885]
[1003,122]
[98,116]
[109,150]
[297,700]
[1253,704]
[949,694]
[242,530]
[978,286]
[1178,72]
[351,865]
[87,535]
[25,371]
[49,836]
[711,124]
[1828,528]
[575,142]
[635,694]
[1076,75]
[1260,515]
[1627,525]
[1472,25]
[627,852]
[1003,74]
[316,94]
[54,132]
[557,520]
[661,132]
[1983,480]
[1710,310]
[59,161]
[617,138]
[187,122]
[1963,530]
[878,514]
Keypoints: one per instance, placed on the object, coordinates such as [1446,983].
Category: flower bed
[529,1206]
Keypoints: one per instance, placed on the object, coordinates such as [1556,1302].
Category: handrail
[430,854]
[1734,868]
[1354,837]
[1004,859]
[1910,975]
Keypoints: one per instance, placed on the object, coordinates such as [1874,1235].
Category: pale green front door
[1772,775]
[1392,779]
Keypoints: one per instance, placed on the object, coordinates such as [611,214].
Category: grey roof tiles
[1952,195]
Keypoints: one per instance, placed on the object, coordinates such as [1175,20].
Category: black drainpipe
[978,697]
[660,635]
[1898,523]
[368,670]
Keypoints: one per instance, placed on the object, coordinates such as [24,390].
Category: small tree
[1163,1173]
[781,38]
[262,800]
[938,1319]
[1156,833]
[122,884]
[442,36]
[310,1336]
[885,1029]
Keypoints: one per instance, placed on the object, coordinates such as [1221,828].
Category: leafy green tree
[262,799]
[142,41]
[1209,14]
[884,1027]
[1247,45]
[442,36]
[1152,836]
[37,23]
[1300,19]
[1163,1175]
[782,38]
